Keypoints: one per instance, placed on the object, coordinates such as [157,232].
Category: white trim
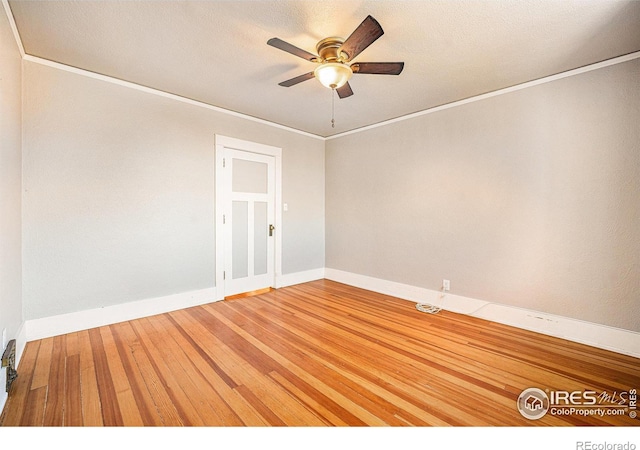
[60,66]
[306,276]
[83,320]
[21,341]
[525,85]
[148,90]
[596,335]
[92,318]
[450,302]
[220,181]
[14,28]
[221,143]
[476,98]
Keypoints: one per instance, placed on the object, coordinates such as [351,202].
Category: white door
[248,221]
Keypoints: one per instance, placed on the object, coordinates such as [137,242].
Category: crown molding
[14,28]
[149,90]
[517,87]
[476,98]
[130,85]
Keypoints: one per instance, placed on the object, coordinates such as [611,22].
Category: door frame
[221,199]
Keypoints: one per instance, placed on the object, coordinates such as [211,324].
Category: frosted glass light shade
[333,75]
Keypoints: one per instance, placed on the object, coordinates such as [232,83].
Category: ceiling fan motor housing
[328,50]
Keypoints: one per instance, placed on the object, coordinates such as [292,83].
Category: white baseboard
[291,279]
[589,333]
[455,303]
[84,320]
[92,318]
[21,342]
[601,336]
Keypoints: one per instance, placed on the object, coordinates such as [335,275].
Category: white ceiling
[216,51]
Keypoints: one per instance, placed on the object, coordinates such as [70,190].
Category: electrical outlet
[446,285]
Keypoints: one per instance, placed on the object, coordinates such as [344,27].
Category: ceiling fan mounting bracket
[328,49]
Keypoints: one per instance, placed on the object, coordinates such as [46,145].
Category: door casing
[221,200]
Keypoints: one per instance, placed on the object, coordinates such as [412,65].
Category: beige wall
[10,182]
[529,199]
[119,193]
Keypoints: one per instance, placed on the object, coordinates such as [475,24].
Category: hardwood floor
[315,354]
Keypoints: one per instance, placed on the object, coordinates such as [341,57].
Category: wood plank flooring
[316,354]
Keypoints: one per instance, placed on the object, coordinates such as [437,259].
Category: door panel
[249,176]
[240,240]
[260,238]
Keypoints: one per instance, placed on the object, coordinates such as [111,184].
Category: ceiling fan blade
[380,68]
[289,48]
[363,36]
[298,79]
[345,91]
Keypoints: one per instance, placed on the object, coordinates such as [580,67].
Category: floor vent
[9,361]
[427,308]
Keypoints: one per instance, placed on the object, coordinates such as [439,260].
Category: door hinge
[224,219]
[224,275]
[224,162]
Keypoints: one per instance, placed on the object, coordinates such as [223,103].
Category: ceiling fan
[335,56]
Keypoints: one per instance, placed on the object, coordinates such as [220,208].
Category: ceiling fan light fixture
[333,75]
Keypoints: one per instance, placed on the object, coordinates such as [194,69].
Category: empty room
[320,214]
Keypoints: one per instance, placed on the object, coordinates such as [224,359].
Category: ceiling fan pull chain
[333,108]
